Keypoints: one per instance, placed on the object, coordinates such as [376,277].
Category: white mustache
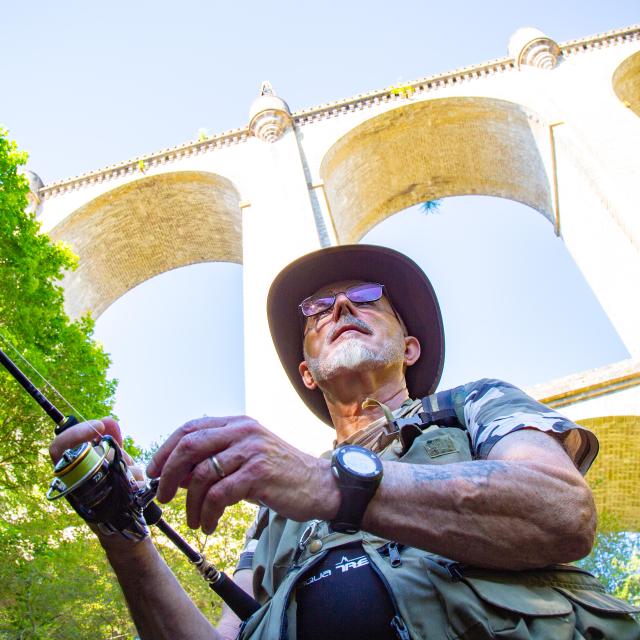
[352,320]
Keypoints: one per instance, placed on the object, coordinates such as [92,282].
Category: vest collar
[381,433]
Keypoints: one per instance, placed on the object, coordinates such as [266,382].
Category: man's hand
[91,431]
[257,466]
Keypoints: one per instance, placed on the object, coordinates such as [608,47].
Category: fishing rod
[98,484]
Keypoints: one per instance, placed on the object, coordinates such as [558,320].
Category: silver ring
[217,467]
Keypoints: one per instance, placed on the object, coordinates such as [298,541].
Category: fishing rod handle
[238,600]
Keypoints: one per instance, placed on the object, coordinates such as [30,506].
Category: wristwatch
[358,472]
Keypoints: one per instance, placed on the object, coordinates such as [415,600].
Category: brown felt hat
[405,284]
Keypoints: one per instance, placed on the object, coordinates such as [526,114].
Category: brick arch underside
[145,228]
[615,474]
[430,150]
[626,82]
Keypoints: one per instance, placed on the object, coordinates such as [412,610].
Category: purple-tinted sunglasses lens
[359,293]
[369,292]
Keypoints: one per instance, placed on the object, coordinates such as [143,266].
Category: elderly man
[439,515]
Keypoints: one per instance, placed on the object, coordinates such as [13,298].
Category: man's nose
[342,306]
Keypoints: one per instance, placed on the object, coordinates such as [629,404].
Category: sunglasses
[358,294]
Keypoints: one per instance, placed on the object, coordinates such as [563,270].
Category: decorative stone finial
[266,89]
[529,46]
[35,184]
[269,116]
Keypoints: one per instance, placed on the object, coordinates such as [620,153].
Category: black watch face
[359,461]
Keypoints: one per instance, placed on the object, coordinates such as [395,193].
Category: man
[435,513]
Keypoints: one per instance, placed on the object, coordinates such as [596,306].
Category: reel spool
[97,483]
[79,465]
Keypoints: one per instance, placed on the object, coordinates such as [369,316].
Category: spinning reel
[98,485]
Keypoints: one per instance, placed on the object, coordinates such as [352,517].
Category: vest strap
[438,408]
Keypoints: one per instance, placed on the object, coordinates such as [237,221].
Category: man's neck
[348,415]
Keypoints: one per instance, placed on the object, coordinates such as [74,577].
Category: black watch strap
[352,507]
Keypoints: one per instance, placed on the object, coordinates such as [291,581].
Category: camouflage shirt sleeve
[492,408]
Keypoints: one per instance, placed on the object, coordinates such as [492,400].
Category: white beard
[352,355]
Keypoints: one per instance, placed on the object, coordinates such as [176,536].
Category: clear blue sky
[89,84]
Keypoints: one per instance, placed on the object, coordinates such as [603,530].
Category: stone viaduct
[556,127]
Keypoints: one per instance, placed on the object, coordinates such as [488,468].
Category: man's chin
[349,357]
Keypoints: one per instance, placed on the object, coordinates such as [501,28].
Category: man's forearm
[160,608]
[490,513]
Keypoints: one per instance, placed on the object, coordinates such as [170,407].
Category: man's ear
[306,376]
[412,350]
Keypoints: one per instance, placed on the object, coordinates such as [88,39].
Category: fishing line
[46,382]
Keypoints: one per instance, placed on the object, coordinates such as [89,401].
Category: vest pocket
[486,608]
[562,603]
[439,446]
[599,615]
[598,602]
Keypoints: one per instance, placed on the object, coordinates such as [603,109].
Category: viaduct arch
[430,150]
[144,228]
[626,83]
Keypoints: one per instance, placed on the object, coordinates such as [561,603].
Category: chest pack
[435,598]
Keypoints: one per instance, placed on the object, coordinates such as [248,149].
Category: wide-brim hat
[406,285]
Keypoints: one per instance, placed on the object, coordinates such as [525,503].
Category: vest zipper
[394,555]
[397,623]
[392,549]
[456,570]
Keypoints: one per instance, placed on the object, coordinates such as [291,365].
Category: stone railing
[396,93]
[141,164]
[601,40]
[588,384]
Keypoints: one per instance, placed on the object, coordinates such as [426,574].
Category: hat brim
[407,285]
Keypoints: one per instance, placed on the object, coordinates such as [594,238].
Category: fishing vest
[435,598]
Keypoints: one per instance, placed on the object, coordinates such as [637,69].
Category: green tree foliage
[54,579]
[46,566]
[32,318]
